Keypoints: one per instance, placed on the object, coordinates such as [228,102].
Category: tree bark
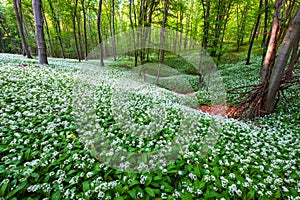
[131,2]
[2,42]
[100,33]
[265,23]
[84,31]
[206,16]
[39,32]
[254,34]
[292,35]
[241,28]
[273,43]
[162,39]
[17,9]
[58,29]
[113,39]
[48,34]
[181,28]
[81,53]
[74,31]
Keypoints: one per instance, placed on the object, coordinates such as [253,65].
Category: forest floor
[46,150]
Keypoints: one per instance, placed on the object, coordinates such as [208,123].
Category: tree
[162,38]
[74,31]
[84,30]
[261,99]
[113,42]
[292,37]
[57,28]
[39,31]
[254,33]
[19,16]
[100,33]
[206,17]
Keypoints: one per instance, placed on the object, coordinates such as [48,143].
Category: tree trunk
[58,29]
[294,59]
[254,34]
[17,9]
[292,35]
[162,39]
[113,39]
[100,33]
[273,43]
[181,28]
[81,53]
[2,42]
[206,16]
[241,28]
[132,27]
[74,31]
[84,31]
[48,33]
[39,31]
[227,14]
[265,24]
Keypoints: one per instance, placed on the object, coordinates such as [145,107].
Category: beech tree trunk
[58,29]
[100,33]
[273,43]
[162,39]
[131,2]
[113,41]
[206,15]
[17,9]
[181,28]
[74,31]
[254,34]
[84,31]
[292,35]
[48,34]
[39,31]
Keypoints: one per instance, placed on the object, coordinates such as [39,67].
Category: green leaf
[56,195]
[119,198]
[20,187]
[27,154]
[211,194]
[132,193]
[71,172]
[250,194]
[3,188]
[150,191]
[149,179]
[277,195]
[157,178]
[86,186]
[167,187]
[187,197]
[135,182]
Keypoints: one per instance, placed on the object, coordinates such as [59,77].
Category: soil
[225,111]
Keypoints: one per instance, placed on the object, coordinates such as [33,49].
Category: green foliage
[41,155]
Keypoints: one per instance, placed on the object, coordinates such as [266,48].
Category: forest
[149,99]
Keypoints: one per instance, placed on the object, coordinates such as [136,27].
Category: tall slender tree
[84,30]
[39,31]
[99,26]
[74,31]
[113,38]
[19,16]
[58,29]
[162,38]
[257,22]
